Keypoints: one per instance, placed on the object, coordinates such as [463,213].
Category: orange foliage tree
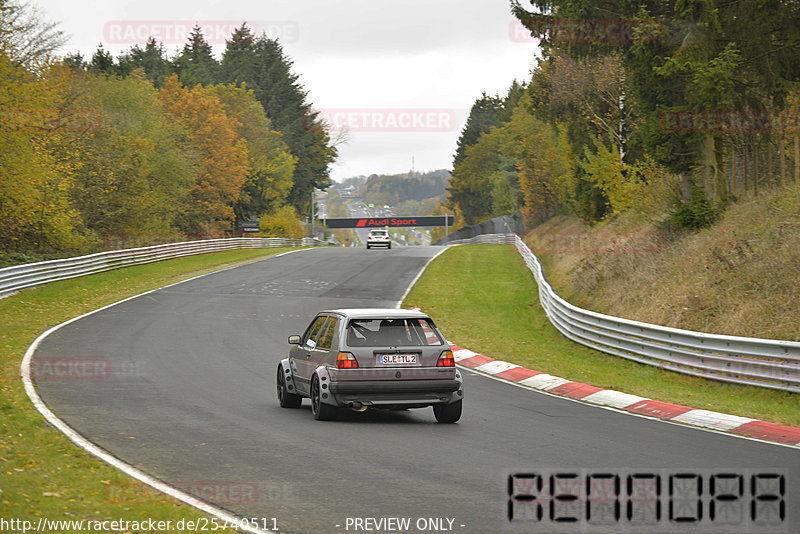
[222,156]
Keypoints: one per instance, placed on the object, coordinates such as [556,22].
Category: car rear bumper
[344,387]
[396,392]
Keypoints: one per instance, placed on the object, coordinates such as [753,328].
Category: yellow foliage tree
[282,223]
[36,173]
[223,156]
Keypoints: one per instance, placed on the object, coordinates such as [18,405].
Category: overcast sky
[400,75]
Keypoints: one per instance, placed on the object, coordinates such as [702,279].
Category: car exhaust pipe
[358,407]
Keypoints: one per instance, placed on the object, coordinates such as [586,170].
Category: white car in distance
[378,238]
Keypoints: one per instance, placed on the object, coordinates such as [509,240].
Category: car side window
[313,330]
[325,337]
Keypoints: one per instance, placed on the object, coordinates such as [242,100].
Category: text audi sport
[371,358]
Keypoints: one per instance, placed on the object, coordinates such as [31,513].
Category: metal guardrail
[744,360]
[485,239]
[17,277]
[505,224]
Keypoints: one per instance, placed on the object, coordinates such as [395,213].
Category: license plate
[394,359]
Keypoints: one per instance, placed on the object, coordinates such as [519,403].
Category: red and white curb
[743,426]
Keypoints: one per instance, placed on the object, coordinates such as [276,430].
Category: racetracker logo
[171,32]
[731,121]
[222,492]
[586,31]
[388,120]
[66,368]
[138,239]
[43,120]
[598,242]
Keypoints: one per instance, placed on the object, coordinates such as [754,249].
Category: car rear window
[378,232]
[392,332]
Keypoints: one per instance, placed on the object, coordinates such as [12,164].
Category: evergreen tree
[74,61]
[240,60]
[510,101]
[102,61]
[152,59]
[482,116]
[261,64]
[684,55]
[196,62]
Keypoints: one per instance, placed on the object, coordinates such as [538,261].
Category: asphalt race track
[190,399]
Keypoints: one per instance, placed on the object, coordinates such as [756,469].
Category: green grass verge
[42,474]
[484,298]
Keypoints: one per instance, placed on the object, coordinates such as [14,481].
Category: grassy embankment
[484,298]
[42,474]
[739,277]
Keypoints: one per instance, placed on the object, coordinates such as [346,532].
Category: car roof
[378,230]
[377,313]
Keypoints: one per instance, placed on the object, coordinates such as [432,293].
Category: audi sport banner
[391,222]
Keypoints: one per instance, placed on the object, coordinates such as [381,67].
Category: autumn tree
[132,174]
[271,166]
[36,111]
[684,58]
[221,156]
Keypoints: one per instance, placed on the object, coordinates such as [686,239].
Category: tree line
[654,106]
[148,144]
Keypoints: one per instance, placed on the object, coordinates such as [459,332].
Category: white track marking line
[91,448]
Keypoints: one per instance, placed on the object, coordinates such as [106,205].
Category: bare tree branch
[25,35]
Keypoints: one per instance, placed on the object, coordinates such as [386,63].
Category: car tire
[367,247]
[320,411]
[285,398]
[447,413]
[389,246]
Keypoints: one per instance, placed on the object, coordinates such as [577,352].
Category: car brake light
[446,359]
[345,360]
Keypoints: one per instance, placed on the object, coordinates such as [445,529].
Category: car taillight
[345,360]
[446,359]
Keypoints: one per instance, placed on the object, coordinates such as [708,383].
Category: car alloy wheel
[321,411]
[286,399]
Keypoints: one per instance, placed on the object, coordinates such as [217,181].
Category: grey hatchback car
[377,358]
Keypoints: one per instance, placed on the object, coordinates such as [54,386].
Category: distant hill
[409,192]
